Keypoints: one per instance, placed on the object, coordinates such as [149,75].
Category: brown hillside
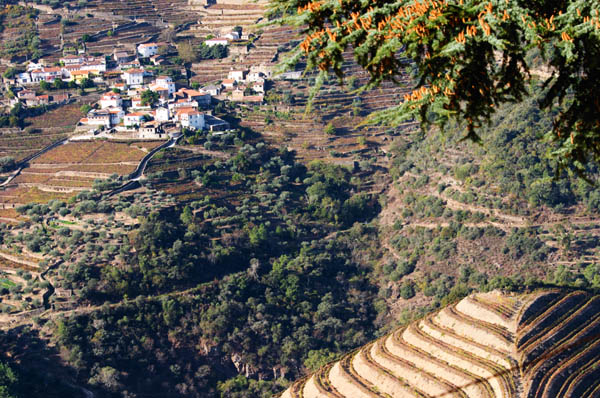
[489,345]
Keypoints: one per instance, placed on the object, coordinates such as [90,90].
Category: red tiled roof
[185,110]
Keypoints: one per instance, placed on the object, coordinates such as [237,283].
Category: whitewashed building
[134,119]
[133,77]
[162,114]
[232,36]
[213,89]
[255,76]
[116,115]
[146,50]
[228,83]
[72,59]
[24,78]
[97,118]
[259,86]
[94,66]
[111,100]
[151,130]
[166,81]
[216,42]
[46,74]
[191,119]
[237,75]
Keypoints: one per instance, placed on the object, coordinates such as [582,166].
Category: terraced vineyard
[73,167]
[225,15]
[538,345]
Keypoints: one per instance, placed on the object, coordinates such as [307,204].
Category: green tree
[8,381]
[258,235]
[187,216]
[149,97]
[318,358]
[407,290]
[59,84]
[11,72]
[85,108]
[469,56]
[330,129]
[7,163]
[186,52]
[86,83]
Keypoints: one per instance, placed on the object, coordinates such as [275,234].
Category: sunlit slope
[489,345]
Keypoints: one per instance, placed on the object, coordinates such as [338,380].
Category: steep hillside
[251,257]
[487,345]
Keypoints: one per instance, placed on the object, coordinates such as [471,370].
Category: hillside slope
[487,345]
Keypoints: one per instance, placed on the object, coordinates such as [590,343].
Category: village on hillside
[137,104]
[190,73]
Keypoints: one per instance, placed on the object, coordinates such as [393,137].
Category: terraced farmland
[73,167]
[539,345]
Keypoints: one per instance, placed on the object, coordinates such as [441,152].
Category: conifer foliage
[470,57]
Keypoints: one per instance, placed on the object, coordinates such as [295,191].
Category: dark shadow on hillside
[39,368]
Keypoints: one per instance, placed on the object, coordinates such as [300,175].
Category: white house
[183,103]
[165,81]
[162,114]
[134,64]
[119,86]
[24,78]
[111,100]
[259,87]
[72,59]
[255,76]
[237,75]
[191,119]
[228,83]
[97,118]
[96,66]
[232,36]
[163,92]
[216,42]
[33,66]
[116,115]
[213,89]
[134,119]
[47,74]
[122,57]
[136,103]
[133,77]
[147,49]
[201,97]
[151,130]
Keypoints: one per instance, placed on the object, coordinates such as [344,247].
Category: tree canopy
[470,56]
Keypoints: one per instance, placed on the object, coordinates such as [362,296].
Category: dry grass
[21,144]
[92,152]
[64,116]
[59,168]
